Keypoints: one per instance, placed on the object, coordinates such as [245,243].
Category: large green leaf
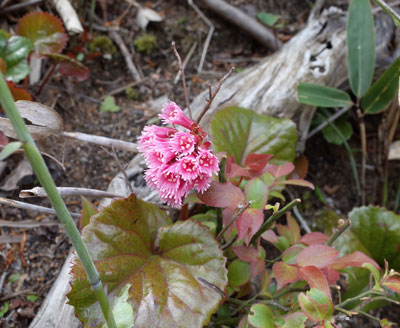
[360,46]
[240,132]
[381,93]
[374,231]
[166,275]
[14,51]
[318,95]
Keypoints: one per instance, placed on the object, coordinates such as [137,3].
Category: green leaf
[9,149]
[360,46]
[375,232]
[32,298]
[4,309]
[390,11]
[238,273]
[45,30]
[382,92]
[14,51]
[109,105]
[321,96]
[294,320]
[315,304]
[240,132]
[87,212]
[176,272]
[342,124]
[257,192]
[14,277]
[261,316]
[267,18]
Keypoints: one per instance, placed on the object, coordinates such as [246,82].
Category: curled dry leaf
[145,16]
[44,121]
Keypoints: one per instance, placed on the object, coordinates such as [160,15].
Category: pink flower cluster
[178,160]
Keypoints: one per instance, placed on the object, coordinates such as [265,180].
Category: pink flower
[173,114]
[178,161]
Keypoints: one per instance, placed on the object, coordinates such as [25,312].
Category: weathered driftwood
[316,54]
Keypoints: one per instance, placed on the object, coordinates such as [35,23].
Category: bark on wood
[316,54]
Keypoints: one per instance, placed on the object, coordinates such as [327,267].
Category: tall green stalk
[45,179]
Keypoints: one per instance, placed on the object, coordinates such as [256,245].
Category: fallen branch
[31,207]
[102,141]
[68,191]
[245,22]
[126,54]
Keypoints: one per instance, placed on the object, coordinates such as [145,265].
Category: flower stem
[45,179]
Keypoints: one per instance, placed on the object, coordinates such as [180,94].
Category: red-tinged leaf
[315,304]
[315,278]
[270,236]
[284,274]
[45,30]
[222,195]
[255,163]
[18,93]
[162,274]
[290,255]
[300,168]
[3,66]
[246,253]
[314,238]
[248,223]
[331,275]
[291,231]
[88,210]
[3,139]
[257,267]
[355,259]
[279,171]
[317,255]
[70,66]
[232,170]
[393,283]
[296,182]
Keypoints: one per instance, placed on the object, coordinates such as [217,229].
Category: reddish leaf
[331,275]
[257,267]
[317,255]
[222,195]
[355,259]
[270,236]
[45,30]
[393,283]
[248,223]
[18,93]
[279,171]
[3,66]
[316,305]
[315,278]
[70,66]
[284,274]
[255,163]
[300,168]
[3,139]
[296,182]
[233,170]
[291,231]
[246,253]
[314,238]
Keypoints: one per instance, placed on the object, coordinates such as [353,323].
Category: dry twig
[185,61]
[68,191]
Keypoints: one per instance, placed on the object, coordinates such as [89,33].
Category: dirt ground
[30,266]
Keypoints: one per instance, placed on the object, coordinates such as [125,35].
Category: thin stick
[68,191]
[123,88]
[209,34]
[181,69]
[211,98]
[327,121]
[126,54]
[102,141]
[363,135]
[19,6]
[31,207]
[2,278]
[185,61]
[341,228]
[27,224]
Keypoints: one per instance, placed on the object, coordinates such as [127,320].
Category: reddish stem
[46,79]
[185,212]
